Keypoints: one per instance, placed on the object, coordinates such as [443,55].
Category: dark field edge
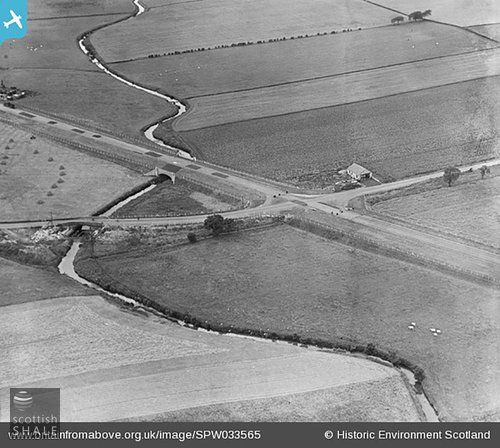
[90,269]
[269,86]
[235,45]
[338,105]
[364,208]
[223,411]
[122,197]
[484,24]
[360,242]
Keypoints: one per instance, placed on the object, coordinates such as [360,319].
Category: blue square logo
[13,19]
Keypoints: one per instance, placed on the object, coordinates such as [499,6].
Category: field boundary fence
[91,127]
[139,161]
[376,247]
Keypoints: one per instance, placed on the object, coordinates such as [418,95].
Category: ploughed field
[311,94]
[394,137]
[457,12]
[191,25]
[267,108]
[63,82]
[93,351]
[41,179]
[470,209]
[287,281]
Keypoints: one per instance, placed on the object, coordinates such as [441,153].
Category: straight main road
[424,245]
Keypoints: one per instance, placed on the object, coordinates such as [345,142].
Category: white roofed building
[358,172]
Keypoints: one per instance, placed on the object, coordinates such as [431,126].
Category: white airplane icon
[15,19]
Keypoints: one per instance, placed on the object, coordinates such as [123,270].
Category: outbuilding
[358,172]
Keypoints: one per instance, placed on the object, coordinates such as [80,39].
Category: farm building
[358,172]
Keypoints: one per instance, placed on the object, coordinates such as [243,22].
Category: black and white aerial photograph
[250,211]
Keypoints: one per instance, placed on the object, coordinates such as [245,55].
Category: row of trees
[451,174]
[414,16]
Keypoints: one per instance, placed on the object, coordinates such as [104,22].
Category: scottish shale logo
[35,413]
[13,19]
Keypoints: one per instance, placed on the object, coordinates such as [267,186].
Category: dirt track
[94,351]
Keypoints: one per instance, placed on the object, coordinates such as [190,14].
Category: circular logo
[22,400]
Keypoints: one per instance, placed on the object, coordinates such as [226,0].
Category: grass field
[55,180]
[22,284]
[181,198]
[353,87]
[288,281]
[470,209]
[225,70]
[395,137]
[192,25]
[458,12]
[94,351]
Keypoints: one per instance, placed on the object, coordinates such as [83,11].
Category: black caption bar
[262,434]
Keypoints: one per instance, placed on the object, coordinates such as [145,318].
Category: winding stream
[148,133]
[66,267]
[127,200]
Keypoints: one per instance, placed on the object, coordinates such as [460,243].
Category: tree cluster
[218,224]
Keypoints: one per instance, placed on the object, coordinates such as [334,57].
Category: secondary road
[423,245]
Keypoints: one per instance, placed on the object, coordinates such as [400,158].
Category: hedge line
[91,270]
[123,196]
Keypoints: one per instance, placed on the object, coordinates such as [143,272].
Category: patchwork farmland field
[193,25]
[470,210]
[97,350]
[395,137]
[354,87]
[225,70]
[458,12]
[360,402]
[40,179]
[303,284]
